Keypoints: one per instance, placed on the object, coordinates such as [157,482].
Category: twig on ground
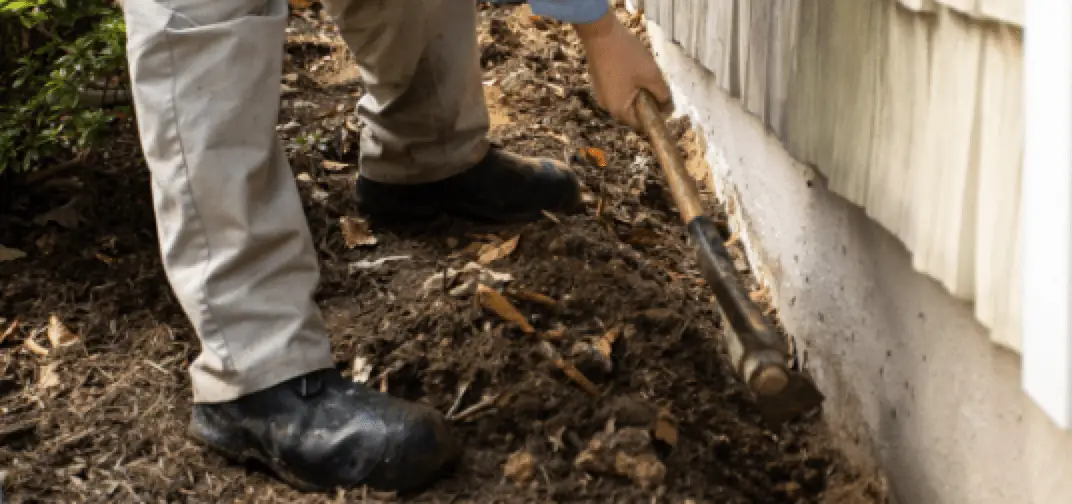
[486,403]
[569,369]
[458,400]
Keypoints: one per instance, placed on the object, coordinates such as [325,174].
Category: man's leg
[424,148]
[238,253]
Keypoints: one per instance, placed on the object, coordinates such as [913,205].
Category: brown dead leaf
[605,343]
[520,467]
[490,254]
[58,334]
[10,254]
[665,428]
[300,4]
[361,370]
[61,339]
[355,231]
[47,376]
[532,297]
[330,165]
[34,347]
[495,302]
[594,156]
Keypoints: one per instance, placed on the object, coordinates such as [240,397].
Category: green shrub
[51,53]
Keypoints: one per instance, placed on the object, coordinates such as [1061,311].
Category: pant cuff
[215,388]
[393,172]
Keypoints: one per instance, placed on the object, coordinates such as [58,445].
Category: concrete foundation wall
[914,385]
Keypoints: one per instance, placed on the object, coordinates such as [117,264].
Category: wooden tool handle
[756,350]
[682,186]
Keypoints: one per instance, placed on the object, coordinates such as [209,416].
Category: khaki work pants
[234,239]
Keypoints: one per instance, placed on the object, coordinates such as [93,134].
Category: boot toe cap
[420,449]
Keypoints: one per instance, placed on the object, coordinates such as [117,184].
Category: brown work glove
[620,66]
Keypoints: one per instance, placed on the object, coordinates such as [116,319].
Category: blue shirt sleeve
[570,11]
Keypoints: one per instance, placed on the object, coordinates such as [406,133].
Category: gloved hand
[620,66]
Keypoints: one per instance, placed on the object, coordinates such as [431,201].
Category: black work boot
[321,431]
[502,187]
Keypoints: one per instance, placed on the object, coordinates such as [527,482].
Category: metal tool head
[800,395]
[756,351]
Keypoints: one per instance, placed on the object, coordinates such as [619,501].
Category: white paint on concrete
[913,383]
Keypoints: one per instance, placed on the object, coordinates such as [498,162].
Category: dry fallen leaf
[495,302]
[605,343]
[665,429]
[34,347]
[494,253]
[47,376]
[355,231]
[464,281]
[61,339]
[532,297]
[520,467]
[10,254]
[300,4]
[594,156]
[362,370]
[58,334]
[366,264]
[330,165]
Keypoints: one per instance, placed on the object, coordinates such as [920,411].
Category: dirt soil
[102,419]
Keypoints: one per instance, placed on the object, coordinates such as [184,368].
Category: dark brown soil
[105,422]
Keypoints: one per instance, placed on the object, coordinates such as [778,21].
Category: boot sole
[240,456]
[245,456]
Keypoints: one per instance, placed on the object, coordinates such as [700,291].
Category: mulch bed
[103,420]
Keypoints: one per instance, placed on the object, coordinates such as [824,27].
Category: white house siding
[910,108]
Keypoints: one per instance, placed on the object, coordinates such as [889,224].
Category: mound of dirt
[577,356]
